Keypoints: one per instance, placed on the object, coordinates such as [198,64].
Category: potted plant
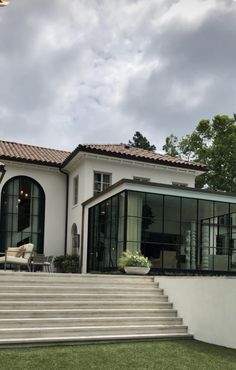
[134,263]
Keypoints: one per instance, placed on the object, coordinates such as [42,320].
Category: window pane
[105,186]
[97,177]
[22,213]
[153,210]
[75,190]
[172,215]
[188,249]
[106,179]
[135,203]
[101,181]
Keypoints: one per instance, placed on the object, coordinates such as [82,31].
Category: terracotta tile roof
[32,154]
[128,152]
[57,158]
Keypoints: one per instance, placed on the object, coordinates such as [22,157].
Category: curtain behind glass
[134,225]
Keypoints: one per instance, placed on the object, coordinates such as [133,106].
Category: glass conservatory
[177,233]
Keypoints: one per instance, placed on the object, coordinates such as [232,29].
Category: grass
[161,355]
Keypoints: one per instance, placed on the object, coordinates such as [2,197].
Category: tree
[214,144]
[171,146]
[140,141]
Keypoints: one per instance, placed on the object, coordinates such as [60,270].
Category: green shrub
[67,264]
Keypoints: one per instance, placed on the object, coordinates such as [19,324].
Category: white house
[102,199]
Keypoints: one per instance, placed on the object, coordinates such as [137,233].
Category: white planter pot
[135,270]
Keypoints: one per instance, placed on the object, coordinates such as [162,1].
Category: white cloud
[97,71]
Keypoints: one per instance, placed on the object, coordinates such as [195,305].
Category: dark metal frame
[162,270]
[25,236]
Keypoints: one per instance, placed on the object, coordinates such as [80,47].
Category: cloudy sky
[96,71]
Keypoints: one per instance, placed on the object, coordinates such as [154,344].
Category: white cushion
[28,250]
[15,260]
[2,259]
[12,251]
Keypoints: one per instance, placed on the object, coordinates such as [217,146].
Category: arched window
[22,213]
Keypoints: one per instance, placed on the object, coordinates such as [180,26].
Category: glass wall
[176,233]
[22,213]
[106,233]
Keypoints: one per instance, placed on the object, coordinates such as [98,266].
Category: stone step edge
[75,275]
[76,286]
[93,310]
[71,328]
[103,318]
[81,295]
[80,301]
[73,286]
[55,277]
[30,342]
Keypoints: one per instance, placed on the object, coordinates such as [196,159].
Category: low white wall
[207,305]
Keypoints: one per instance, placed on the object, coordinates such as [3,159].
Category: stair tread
[90,309]
[92,327]
[58,308]
[101,337]
[90,318]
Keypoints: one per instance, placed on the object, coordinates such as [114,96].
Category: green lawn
[171,355]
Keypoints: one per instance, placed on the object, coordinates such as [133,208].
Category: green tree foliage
[214,144]
[140,141]
[171,146]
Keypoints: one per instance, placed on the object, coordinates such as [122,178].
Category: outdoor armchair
[20,256]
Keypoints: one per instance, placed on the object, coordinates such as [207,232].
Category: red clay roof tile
[52,157]
[129,152]
[32,154]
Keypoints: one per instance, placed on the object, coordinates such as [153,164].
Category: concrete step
[41,308]
[82,304]
[87,321]
[30,342]
[39,332]
[152,298]
[79,285]
[86,312]
[32,278]
[47,288]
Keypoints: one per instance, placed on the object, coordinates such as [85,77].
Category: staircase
[40,308]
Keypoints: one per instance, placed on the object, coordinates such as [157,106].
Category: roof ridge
[167,156]
[134,153]
[34,146]
[99,144]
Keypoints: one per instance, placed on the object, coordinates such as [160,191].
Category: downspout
[82,242]
[67,204]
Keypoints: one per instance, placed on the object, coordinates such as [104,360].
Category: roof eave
[82,148]
[31,161]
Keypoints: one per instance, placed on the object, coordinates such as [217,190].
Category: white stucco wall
[75,211]
[120,169]
[85,167]
[207,305]
[54,186]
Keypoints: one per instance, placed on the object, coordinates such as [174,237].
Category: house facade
[100,200]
